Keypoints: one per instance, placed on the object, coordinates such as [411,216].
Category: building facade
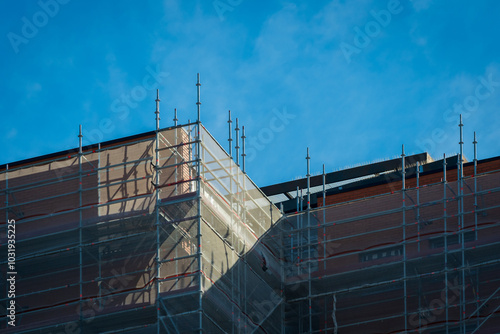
[410,249]
[163,232]
[152,233]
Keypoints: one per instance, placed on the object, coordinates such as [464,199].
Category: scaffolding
[163,232]
[154,233]
[421,257]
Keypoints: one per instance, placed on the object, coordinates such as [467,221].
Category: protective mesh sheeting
[183,323]
[87,236]
[422,260]
[244,306]
[180,304]
[177,150]
[221,174]
[241,274]
[91,236]
[237,286]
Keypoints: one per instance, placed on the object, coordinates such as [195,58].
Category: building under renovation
[164,232]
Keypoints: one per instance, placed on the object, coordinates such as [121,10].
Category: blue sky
[353,80]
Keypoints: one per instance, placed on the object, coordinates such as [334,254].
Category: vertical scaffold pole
[324,186]
[297,198]
[198,188]
[282,272]
[462,224]
[198,101]
[445,214]
[324,220]
[461,126]
[157,111]
[230,140]
[80,139]
[99,166]
[403,179]
[475,184]
[80,237]
[300,225]
[157,209]
[418,205]
[237,147]
[308,159]
[190,154]
[309,238]
[301,200]
[235,273]
[176,151]
[243,154]
[241,182]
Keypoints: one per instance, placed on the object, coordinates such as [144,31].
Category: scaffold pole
[243,154]
[237,147]
[230,139]
[462,226]
[403,179]
[80,235]
[445,185]
[157,209]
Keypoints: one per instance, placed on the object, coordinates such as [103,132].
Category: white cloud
[33,89]
[11,134]
[420,5]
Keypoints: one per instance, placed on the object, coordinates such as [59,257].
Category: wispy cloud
[33,89]
[261,57]
[11,134]
[420,5]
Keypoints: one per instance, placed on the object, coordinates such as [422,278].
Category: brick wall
[425,179]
